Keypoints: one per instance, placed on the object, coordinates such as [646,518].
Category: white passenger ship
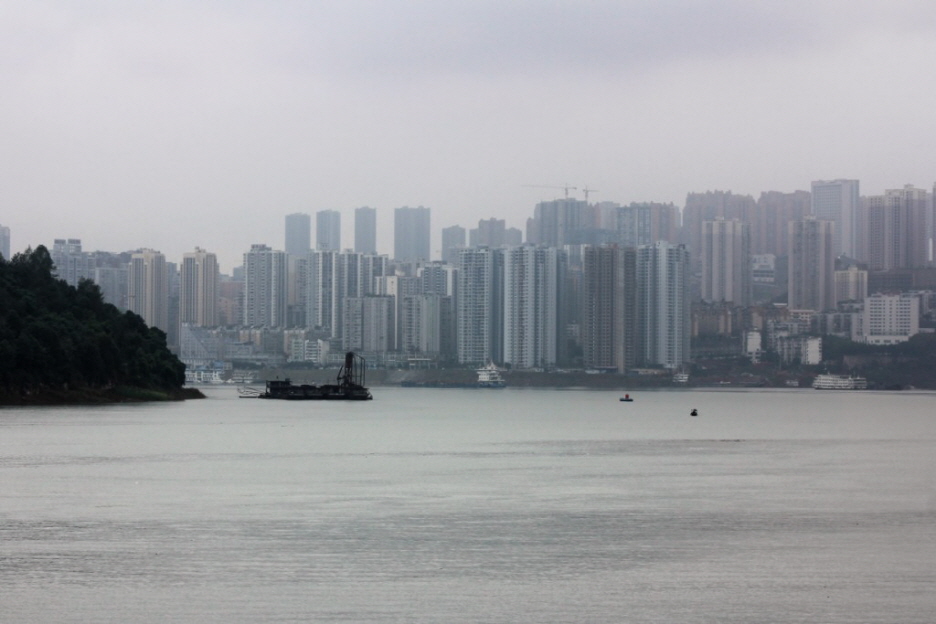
[839,382]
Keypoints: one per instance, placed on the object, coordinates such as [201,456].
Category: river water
[443,505]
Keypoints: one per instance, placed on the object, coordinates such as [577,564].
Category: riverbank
[93,396]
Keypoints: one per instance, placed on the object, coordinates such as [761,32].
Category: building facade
[838,201]
[265,284]
[887,319]
[726,261]
[663,310]
[534,279]
[365,230]
[609,308]
[298,234]
[411,234]
[480,308]
[811,259]
[328,230]
[149,288]
[198,292]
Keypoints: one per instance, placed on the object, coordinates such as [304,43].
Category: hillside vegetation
[59,343]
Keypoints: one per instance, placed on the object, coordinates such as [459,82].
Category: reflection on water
[468,506]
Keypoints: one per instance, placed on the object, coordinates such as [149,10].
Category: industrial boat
[349,386]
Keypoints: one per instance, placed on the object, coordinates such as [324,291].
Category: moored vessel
[839,382]
[489,376]
[349,386]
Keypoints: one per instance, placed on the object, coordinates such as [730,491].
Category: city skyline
[175,126]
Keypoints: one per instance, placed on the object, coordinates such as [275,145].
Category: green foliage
[55,336]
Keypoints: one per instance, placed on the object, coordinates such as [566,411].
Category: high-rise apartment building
[838,201]
[328,230]
[811,259]
[334,276]
[427,326]
[298,234]
[708,206]
[609,307]
[149,288]
[726,261]
[851,284]
[769,221]
[368,323]
[646,223]
[534,280]
[198,295]
[4,242]
[663,313]
[365,230]
[399,287]
[71,263]
[897,229]
[559,222]
[453,238]
[264,287]
[480,315]
[411,234]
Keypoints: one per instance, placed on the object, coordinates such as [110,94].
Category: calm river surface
[429,505]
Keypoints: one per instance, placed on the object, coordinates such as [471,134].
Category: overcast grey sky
[177,124]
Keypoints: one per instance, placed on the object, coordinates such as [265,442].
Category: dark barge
[349,386]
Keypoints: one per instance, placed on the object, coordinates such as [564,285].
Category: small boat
[626,398]
[694,412]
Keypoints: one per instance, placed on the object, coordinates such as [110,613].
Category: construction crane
[565,188]
[587,190]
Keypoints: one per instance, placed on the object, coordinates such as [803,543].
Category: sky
[177,124]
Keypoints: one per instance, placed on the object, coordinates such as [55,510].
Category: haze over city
[175,125]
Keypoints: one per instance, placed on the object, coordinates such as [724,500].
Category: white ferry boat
[489,376]
[839,382]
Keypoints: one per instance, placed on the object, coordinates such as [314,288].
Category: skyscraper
[334,276]
[198,297]
[646,223]
[479,318]
[770,218]
[365,230]
[489,233]
[368,323]
[149,288]
[726,261]
[559,222]
[609,307]
[411,234]
[708,206]
[837,201]
[897,229]
[264,287]
[328,230]
[298,234]
[453,238]
[534,279]
[71,263]
[663,327]
[811,265]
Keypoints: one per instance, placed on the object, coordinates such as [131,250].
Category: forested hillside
[61,343]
